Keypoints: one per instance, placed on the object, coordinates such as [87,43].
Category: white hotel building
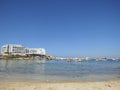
[14,49]
[38,51]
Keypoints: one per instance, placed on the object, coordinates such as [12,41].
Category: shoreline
[2,79]
[95,78]
[59,85]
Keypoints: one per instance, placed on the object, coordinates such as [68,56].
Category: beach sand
[59,85]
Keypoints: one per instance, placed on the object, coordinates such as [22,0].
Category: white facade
[40,51]
[13,49]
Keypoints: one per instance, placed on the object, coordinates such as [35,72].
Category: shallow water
[59,70]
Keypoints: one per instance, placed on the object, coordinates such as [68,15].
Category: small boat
[79,60]
[69,60]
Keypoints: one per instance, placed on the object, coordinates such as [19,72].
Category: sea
[60,69]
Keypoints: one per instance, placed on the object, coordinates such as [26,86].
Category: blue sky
[63,27]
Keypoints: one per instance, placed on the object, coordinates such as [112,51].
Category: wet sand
[59,85]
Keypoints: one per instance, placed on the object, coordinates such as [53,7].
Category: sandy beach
[59,75]
[60,85]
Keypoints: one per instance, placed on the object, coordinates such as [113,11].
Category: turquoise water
[59,70]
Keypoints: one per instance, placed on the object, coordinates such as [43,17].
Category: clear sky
[63,27]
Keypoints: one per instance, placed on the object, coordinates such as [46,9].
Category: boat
[69,60]
[79,60]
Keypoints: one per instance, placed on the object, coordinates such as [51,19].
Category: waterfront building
[13,49]
[37,51]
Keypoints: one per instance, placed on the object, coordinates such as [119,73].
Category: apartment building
[15,49]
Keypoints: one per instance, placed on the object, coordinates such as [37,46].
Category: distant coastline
[20,52]
[49,57]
